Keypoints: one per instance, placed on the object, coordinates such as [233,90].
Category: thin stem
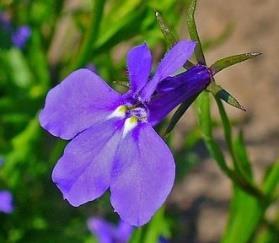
[215,151]
[92,34]
[228,133]
[191,23]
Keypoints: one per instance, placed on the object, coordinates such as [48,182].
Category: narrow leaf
[92,33]
[244,218]
[192,28]
[205,123]
[179,113]
[169,35]
[187,65]
[271,180]
[242,156]
[232,60]
[121,83]
[224,95]
[246,212]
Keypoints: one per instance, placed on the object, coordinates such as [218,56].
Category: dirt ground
[204,194]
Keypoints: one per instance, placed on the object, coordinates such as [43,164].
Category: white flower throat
[132,115]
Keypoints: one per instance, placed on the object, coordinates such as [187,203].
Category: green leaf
[123,30]
[228,137]
[245,215]
[169,35]
[271,180]
[232,60]
[157,227]
[192,28]
[92,33]
[242,156]
[205,122]
[22,146]
[20,73]
[179,113]
[246,212]
[224,95]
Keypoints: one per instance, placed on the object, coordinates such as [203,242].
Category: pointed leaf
[232,60]
[121,83]
[193,31]
[222,94]
[271,180]
[179,113]
[187,65]
[92,33]
[169,35]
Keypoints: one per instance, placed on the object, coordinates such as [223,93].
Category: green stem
[228,134]
[215,151]
[193,31]
[92,33]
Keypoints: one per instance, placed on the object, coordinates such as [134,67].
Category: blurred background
[42,41]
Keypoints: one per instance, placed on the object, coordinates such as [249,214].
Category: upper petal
[142,176]
[78,102]
[139,62]
[84,171]
[171,62]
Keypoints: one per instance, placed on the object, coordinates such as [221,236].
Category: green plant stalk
[215,151]
[205,117]
[92,33]
[247,213]
[193,31]
[228,135]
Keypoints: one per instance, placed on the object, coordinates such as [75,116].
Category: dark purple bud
[197,77]
[174,90]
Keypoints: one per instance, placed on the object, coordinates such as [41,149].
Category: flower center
[132,115]
[138,112]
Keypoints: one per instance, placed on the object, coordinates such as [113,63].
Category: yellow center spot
[119,112]
[133,120]
[130,124]
[122,109]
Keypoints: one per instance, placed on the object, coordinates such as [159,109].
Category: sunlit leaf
[224,95]
[232,60]
[169,34]
[179,113]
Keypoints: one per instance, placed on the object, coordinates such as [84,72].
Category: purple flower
[109,233]
[113,143]
[20,36]
[6,205]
